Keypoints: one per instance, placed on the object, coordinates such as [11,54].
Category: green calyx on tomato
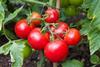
[71,11]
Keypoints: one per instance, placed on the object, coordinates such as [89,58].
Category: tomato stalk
[50,2]
[42,60]
[58,4]
[54,64]
[4,31]
[52,34]
[35,1]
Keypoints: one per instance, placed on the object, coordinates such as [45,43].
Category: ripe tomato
[61,29]
[72,37]
[76,2]
[71,11]
[22,29]
[56,51]
[37,40]
[47,35]
[27,51]
[52,15]
[64,3]
[35,18]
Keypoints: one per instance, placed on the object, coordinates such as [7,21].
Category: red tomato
[22,29]
[37,40]
[35,18]
[56,51]
[61,29]
[72,37]
[47,35]
[52,15]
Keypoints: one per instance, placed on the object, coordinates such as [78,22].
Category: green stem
[58,4]
[4,31]
[42,60]
[50,2]
[54,64]
[35,1]
[52,34]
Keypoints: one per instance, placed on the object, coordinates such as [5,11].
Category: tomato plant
[63,33]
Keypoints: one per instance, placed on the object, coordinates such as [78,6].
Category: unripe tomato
[27,51]
[64,3]
[37,40]
[22,29]
[52,15]
[61,29]
[72,37]
[35,18]
[71,11]
[56,51]
[76,2]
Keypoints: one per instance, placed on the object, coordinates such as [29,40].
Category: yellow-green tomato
[27,51]
[71,11]
[76,2]
[64,3]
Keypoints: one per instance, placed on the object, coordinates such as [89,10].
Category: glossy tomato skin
[22,29]
[52,15]
[61,29]
[37,40]
[35,18]
[27,51]
[72,37]
[56,51]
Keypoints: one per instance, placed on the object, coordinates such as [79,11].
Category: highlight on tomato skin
[22,29]
[52,15]
[37,40]
[56,51]
[72,37]
[27,51]
[61,29]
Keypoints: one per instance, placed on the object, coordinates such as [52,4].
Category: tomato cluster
[54,37]
[71,6]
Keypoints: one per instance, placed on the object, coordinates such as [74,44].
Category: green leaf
[94,40]
[91,28]
[95,59]
[94,33]
[42,60]
[85,26]
[10,34]
[5,48]
[13,15]
[2,15]
[72,63]
[16,53]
